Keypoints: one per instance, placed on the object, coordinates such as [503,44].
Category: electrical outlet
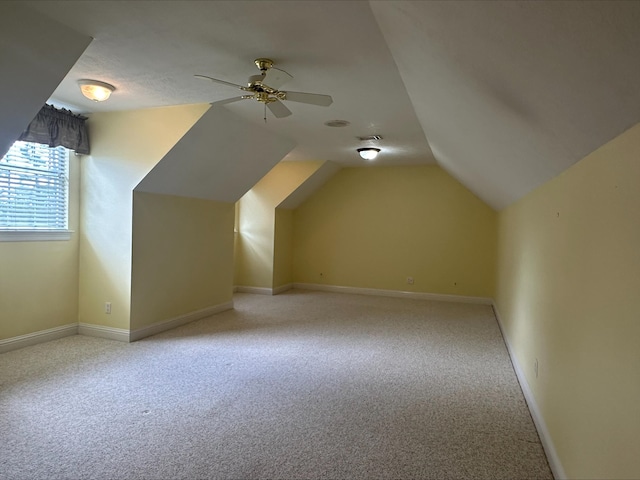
[535,367]
[410,280]
[107,308]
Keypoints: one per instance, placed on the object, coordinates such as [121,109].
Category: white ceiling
[223,174]
[509,94]
[150,51]
[35,70]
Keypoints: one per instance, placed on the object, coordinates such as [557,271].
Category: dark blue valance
[58,127]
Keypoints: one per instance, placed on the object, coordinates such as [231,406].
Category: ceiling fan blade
[310,98]
[275,78]
[228,100]
[223,82]
[278,109]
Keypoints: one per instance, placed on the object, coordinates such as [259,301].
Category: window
[34,192]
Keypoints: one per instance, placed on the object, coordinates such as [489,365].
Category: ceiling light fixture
[369,153]
[95,90]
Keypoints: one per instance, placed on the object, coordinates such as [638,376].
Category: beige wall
[125,146]
[257,219]
[39,280]
[254,241]
[283,248]
[374,227]
[569,295]
[182,256]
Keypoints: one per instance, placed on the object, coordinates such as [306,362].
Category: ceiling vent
[337,123]
[369,138]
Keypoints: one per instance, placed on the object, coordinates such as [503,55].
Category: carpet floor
[302,385]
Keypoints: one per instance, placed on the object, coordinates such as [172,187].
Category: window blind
[34,187]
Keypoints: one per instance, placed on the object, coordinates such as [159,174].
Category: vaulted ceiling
[503,95]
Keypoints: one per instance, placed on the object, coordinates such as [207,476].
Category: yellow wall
[283,248]
[182,256]
[374,227]
[39,280]
[254,241]
[125,146]
[569,295]
[256,222]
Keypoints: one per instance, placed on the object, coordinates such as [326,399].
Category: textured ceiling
[150,51]
[508,94]
[42,53]
[223,174]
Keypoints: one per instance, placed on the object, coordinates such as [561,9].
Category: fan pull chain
[265,113]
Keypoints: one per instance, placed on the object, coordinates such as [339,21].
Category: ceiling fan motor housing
[255,81]
[263,64]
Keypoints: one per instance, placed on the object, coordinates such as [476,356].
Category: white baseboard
[282,289]
[263,290]
[34,338]
[256,290]
[177,321]
[111,333]
[538,419]
[100,331]
[394,293]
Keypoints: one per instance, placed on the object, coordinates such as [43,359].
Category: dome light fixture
[95,90]
[369,153]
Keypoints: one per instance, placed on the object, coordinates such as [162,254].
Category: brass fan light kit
[265,88]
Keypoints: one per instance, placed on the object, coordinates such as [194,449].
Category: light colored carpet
[300,385]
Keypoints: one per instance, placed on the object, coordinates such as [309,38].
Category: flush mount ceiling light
[95,90]
[369,153]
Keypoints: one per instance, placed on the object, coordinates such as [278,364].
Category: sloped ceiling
[35,54]
[505,95]
[212,161]
[150,51]
[310,185]
[510,94]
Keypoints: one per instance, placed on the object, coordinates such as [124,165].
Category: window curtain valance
[58,127]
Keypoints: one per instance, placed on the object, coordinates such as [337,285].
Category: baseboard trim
[21,341]
[394,293]
[282,289]
[263,290]
[256,290]
[100,331]
[536,415]
[164,325]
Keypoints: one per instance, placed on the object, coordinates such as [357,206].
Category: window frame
[8,234]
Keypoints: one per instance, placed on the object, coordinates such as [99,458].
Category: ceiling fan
[265,89]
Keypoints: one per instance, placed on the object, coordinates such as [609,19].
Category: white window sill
[35,235]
